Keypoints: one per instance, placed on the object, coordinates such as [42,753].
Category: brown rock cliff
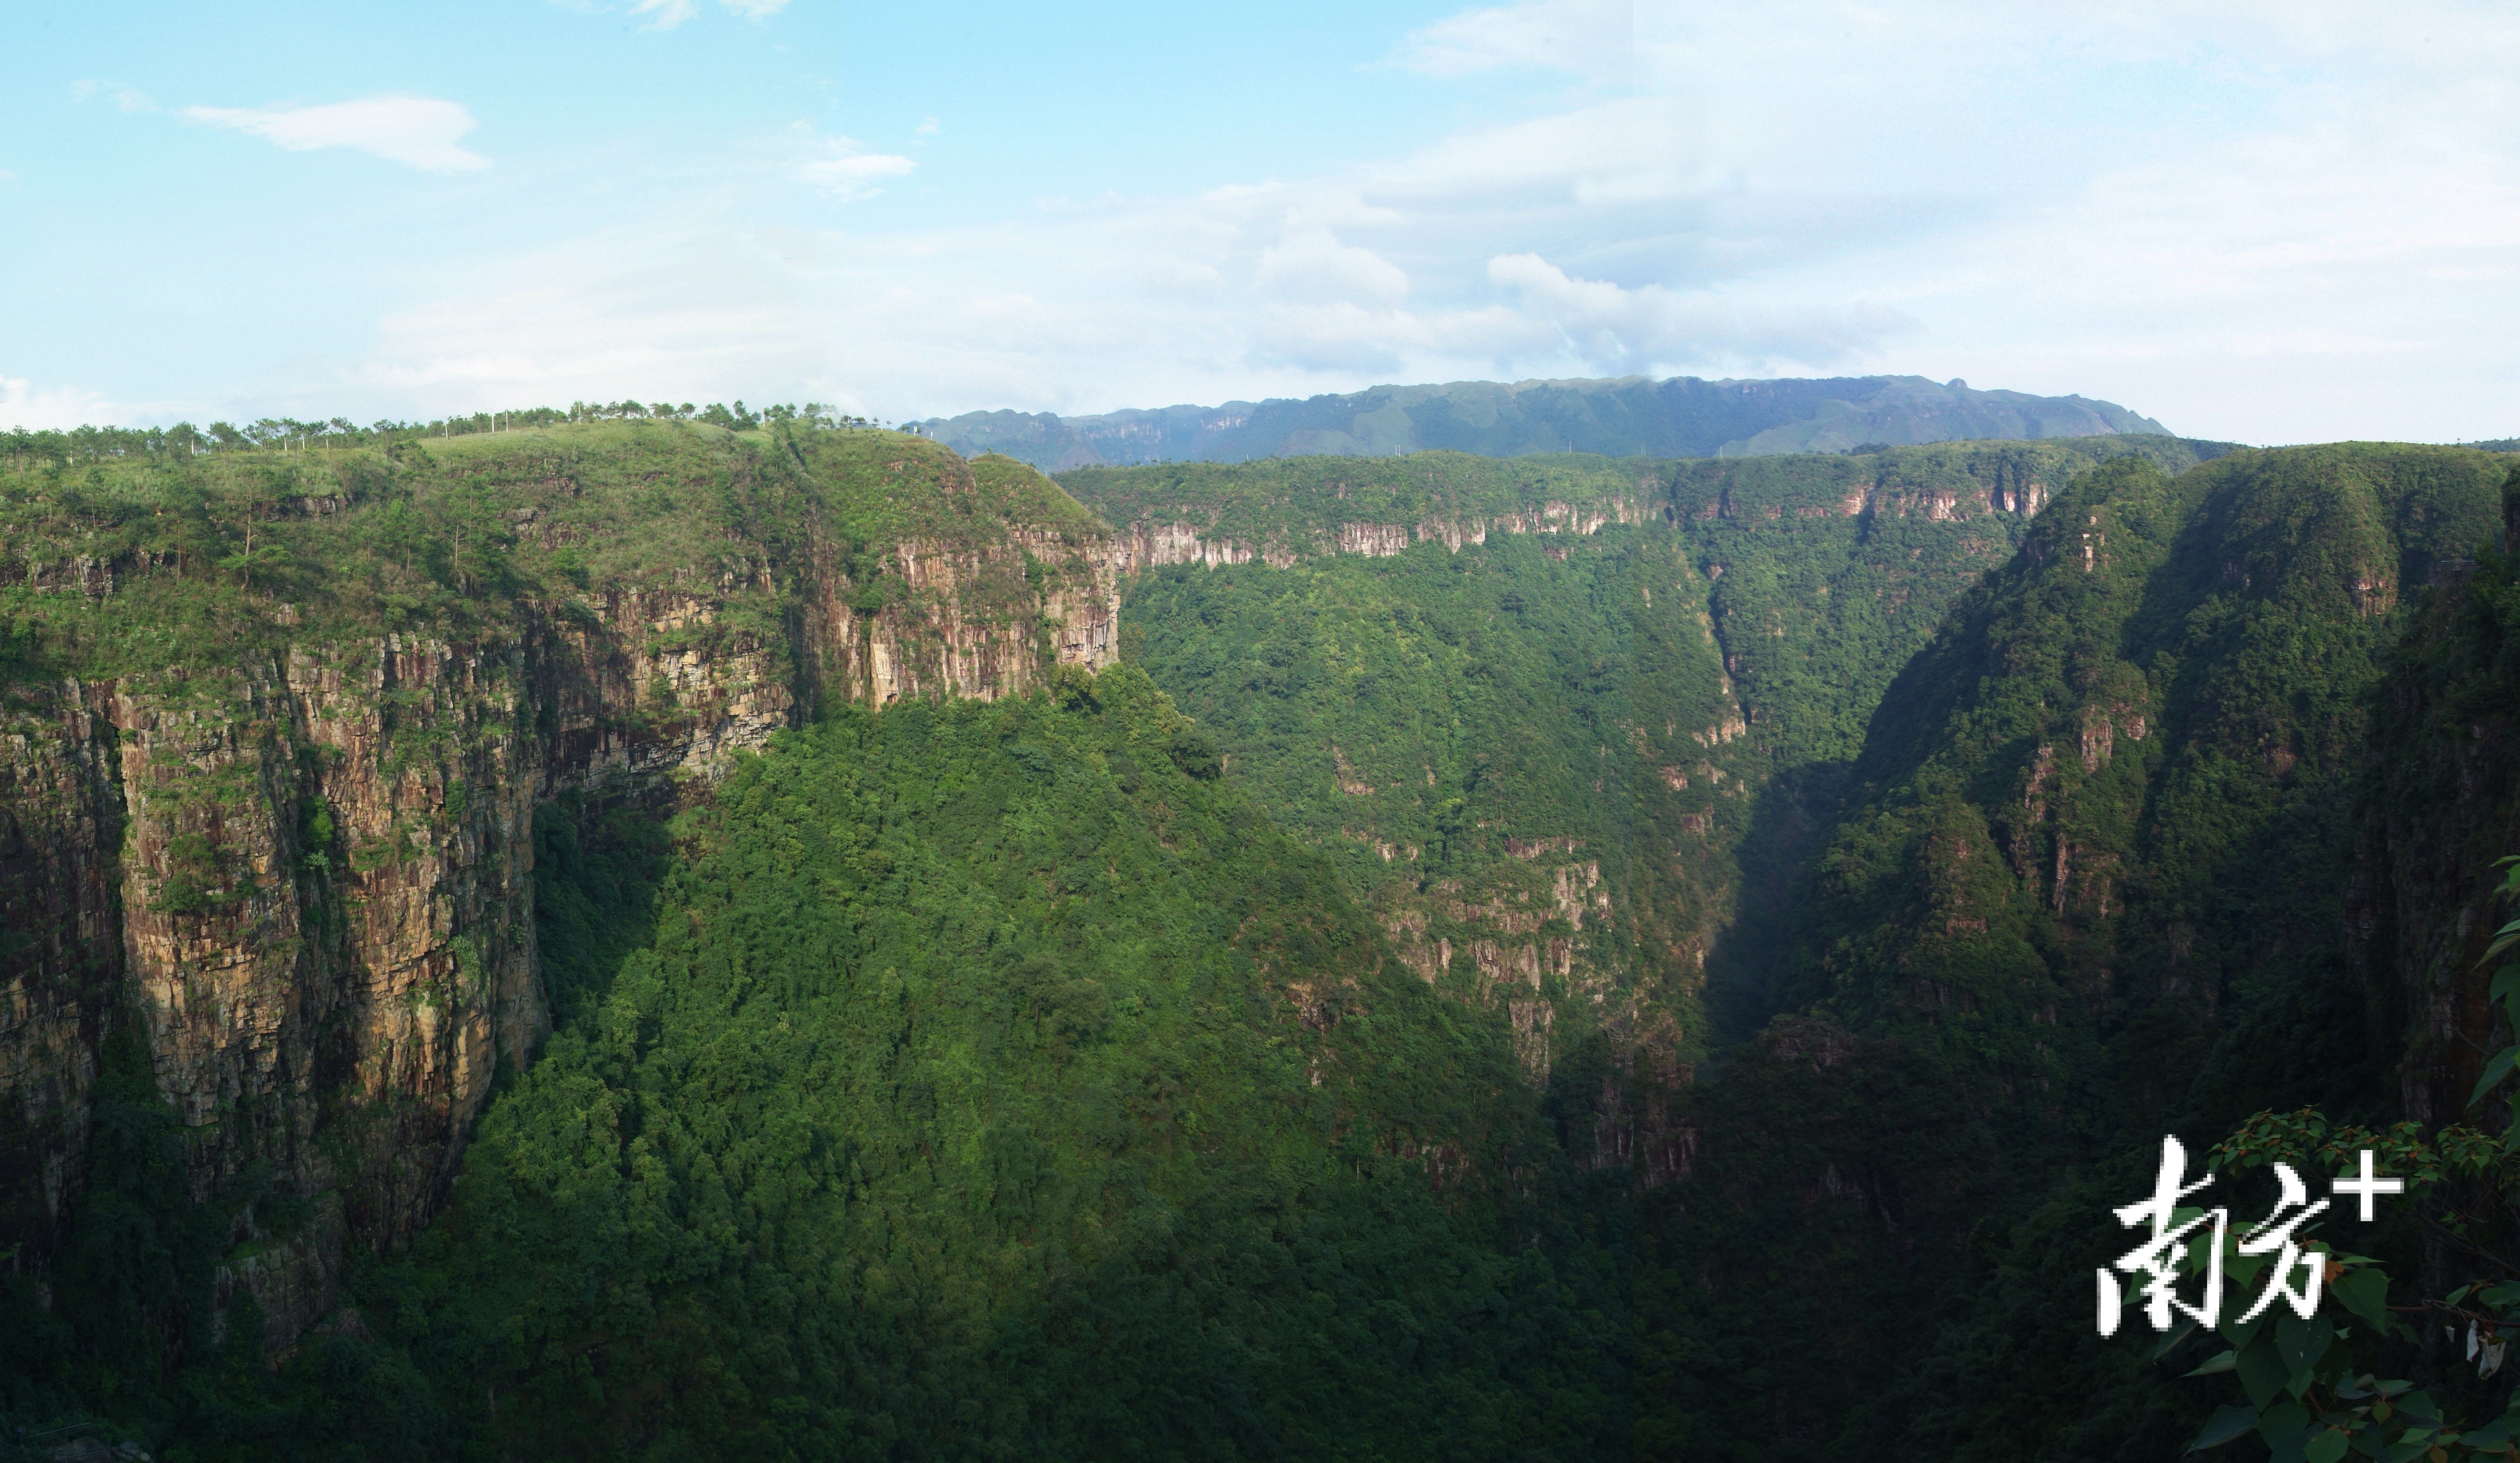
[306,873]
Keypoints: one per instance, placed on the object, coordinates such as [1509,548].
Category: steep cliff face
[2443,807]
[61,829]
[1150,542]
[967,622]
[304,868]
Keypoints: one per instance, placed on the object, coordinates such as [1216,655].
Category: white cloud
[2329,277]
[1588,36]
[420,131]
[1254,290]
[22,405]
[668,12]
[849,172]
[2273,220]
[125,98]
[1312,264]
[1621,331]
[690,316]
[672,13]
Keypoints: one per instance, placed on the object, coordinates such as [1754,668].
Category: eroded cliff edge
[276,725]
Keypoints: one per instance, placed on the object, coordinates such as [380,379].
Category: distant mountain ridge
[1631,416]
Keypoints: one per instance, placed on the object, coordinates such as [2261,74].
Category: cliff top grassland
[185,558]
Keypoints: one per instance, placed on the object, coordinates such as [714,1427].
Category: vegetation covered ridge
[995,1080]
[1627,417]
[1690,981]
[179,556]
[2089,885]
[88,444]
[1521,759]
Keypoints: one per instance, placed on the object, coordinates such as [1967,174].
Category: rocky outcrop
[1517,935]
[967,622]
[1544,518]
[1152,545]
[1943,504]
[1149,545]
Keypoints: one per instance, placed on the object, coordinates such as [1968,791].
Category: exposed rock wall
[2420,910]
[307,875]
[1943,504]
[61,948]
[1149,545]
[1511,940]
[964,622]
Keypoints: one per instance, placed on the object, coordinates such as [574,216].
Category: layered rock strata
[1152,543]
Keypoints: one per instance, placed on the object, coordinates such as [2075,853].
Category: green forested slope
[2117,756]
[1519,757]
[1678,695]
[260,704]
[1830,572]
[990,1081]
[2088,888]
[2442,807]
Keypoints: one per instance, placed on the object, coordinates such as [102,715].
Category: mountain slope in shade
[1627,417]
[2089,883]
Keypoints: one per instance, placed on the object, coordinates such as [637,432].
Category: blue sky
[2267,222]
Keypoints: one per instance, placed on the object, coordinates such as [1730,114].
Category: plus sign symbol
[2369,1187]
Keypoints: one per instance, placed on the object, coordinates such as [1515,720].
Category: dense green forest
[1518,758]
[1171,1157]
[2053,862]
[29,449]
[1536,959]
[942,1100]
[2087,889]
[1723,698]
